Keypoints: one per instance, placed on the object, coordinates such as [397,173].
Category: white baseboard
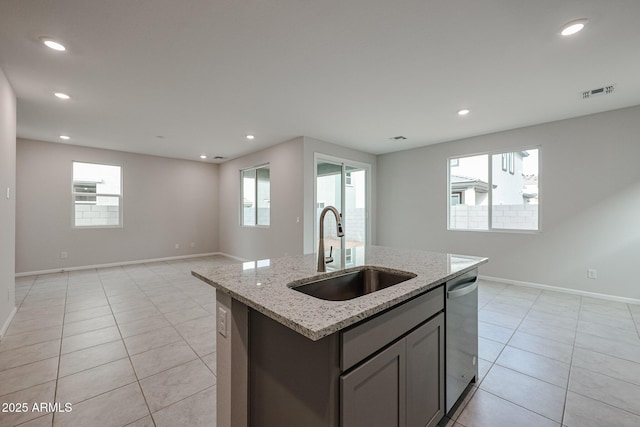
[563,290]
[118,264]
[6,324]
[237,258]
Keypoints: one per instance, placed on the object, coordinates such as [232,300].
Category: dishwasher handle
[463,290]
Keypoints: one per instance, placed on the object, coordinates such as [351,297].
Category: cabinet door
[425,374]
[373,394]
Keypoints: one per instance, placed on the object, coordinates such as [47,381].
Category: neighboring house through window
[494,191]
[97,195]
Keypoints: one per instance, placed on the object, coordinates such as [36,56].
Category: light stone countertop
[262,285]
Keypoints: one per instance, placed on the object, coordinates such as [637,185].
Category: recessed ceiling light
[250,137]
[573,27]
[62,95]
[65,137]
[203,156]
[463,112]
[52,44]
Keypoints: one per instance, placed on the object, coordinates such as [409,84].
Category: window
[496,191]
[255,198]
[97,195]
[348,256]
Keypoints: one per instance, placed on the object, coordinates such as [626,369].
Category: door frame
[320,157]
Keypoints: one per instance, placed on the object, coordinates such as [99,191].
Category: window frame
[490,154]
[255,207]
[74,194]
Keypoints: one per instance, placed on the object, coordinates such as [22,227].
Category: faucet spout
[322,261]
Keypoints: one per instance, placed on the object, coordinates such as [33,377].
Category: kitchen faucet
[322,261]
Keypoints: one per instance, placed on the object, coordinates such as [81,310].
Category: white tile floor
[131,345]
[553,359]
[135,346]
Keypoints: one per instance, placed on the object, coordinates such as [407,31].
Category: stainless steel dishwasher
[461,324]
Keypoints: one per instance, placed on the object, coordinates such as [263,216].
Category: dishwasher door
[461,317]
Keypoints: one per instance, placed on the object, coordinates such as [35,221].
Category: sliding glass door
[342,184]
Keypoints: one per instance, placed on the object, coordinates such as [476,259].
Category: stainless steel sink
[351,285]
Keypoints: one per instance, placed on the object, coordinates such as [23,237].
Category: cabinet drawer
[362,340]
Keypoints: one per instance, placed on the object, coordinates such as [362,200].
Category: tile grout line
[20,307]
[571,365]
[186,342]
[633,319]
[127,351]
[500,353]
[636,414]
[599,373]
[64,314]
[182,399]
[573,349]
[153,420]
[164,276]
[520,406]
[198,357]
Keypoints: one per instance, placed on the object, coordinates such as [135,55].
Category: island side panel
[232,364]
[294,381]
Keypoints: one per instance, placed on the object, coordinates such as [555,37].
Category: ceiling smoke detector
[605,90]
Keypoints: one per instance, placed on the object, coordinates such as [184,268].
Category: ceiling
[185,78]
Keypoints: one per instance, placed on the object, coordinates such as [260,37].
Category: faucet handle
[329,259]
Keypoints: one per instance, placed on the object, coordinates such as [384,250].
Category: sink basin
[351,285]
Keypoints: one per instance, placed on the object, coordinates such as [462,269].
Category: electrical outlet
[63,255]
[592,273]
[193,244]
[222,321]
[177,245]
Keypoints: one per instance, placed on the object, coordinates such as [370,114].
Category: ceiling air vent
[398,138]
[218,158]
[605,90]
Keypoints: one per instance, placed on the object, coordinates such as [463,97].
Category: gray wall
[292,205]
[284,235]
[165,201]
[7,206]
[589,204]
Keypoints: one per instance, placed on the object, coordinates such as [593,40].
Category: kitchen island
[270,333]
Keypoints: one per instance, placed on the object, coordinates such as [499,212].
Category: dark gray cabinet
[402,385]
[426,374]
[374,394]
[387,370]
